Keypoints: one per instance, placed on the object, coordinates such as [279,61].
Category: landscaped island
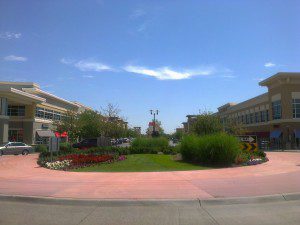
[154,154]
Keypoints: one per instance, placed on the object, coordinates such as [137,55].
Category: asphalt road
[190,212]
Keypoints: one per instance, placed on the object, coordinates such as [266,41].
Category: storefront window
[16,110]
[276,110]
[15,135]
[296,108]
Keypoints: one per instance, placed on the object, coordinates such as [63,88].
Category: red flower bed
[81,159]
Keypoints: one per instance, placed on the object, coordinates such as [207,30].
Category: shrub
[149,145]
[207,123]
[65,147]
[41,148]
[216,149]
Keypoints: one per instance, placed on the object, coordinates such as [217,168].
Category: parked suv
[15,148]
[86,143]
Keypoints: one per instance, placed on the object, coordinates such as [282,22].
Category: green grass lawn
[143,163]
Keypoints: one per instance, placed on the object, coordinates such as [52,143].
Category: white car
[15,148]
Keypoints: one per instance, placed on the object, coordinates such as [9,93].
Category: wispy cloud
[228,76]
[10,35]
[269,64]
[66,61]
[87,65]
[137,13]
[15,58]
[84,65]
[166,73]
[259,79]
[88,76]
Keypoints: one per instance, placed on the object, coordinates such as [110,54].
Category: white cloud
[88,76]
[259,79]
[10,35]
[137,13]
[87,65]
[84,65]
[66,61]
[15,58]
[228,76]
[269,64]
[166,73]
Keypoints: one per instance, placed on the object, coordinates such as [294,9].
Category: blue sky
[176,56]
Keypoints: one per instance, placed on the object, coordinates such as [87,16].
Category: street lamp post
[154,113]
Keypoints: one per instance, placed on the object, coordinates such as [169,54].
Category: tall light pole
[154,113]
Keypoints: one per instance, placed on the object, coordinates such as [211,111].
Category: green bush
[66,147]
[149,145]
[216,149]
[41,148]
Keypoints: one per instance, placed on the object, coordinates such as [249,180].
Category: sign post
[53,146]
[248,142]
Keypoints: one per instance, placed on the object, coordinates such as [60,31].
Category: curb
[148,202]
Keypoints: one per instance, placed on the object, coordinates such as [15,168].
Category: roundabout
[20,175]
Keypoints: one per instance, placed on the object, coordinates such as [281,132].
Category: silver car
[15,148]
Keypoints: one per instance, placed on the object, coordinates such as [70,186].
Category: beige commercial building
[274,117]
[27,113]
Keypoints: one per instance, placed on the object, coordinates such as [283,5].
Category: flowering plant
[58,165]
[82,159]
[121,158]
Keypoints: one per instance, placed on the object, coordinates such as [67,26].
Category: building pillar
[3,128]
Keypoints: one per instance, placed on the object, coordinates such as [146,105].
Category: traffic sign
[248,142]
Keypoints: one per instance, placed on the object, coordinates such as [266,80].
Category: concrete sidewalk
[263,210]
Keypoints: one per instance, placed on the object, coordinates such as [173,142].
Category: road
[147,212]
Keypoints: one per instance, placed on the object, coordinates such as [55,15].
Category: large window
[263,116]
[247,119]
[48,114]
[39,112]
[256,118]
[251,118]
[16,110]
[296,108]
[276,110]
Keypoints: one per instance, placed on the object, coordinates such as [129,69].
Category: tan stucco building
[27,113]
[273,116]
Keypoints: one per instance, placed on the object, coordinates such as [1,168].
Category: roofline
[278,75]
[20,83]
[81,105]
[243,102]
[50,95]
[25,94]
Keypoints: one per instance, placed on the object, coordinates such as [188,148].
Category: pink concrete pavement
[20,175]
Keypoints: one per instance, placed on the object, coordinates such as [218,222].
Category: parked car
[15,148]
[86,143]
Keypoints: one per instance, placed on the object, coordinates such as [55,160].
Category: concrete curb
[145,202]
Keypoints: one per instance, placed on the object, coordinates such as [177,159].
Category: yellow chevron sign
[249,147]
[248,142]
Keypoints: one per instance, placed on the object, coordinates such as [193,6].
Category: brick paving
[20,175]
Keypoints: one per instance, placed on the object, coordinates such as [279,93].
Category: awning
[297,133]
[275,134]
[45,133]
